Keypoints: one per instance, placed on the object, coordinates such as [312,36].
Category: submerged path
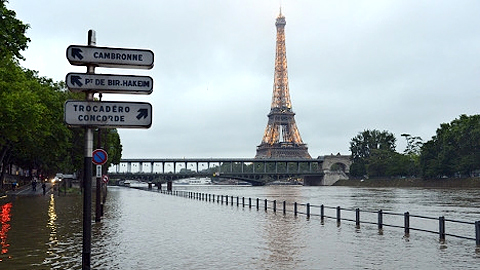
[26,190]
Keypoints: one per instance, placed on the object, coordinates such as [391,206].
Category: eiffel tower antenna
[281,138]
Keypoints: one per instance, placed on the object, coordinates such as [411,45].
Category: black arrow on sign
[142,113]
[76,52]
[76,80]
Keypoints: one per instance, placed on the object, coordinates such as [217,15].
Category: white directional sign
[109,57]
[111,114]
[107,83]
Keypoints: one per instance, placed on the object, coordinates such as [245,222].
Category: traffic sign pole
[98,194]
[87,177]
[93,114]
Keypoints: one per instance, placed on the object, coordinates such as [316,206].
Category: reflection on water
[5,222]
[44,232]
[279,232]
[52,240]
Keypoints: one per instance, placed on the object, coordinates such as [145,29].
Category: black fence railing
[325,212]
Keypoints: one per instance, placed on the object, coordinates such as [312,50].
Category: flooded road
[149,230]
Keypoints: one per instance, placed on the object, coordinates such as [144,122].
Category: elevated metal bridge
[254,171]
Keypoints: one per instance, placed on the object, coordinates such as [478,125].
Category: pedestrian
[14,185]
[34,184]
[44,187]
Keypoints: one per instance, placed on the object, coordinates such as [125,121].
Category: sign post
[97,114]
[87,175]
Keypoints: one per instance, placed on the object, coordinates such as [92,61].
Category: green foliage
[32,132]
[412,153]
[454,150]
[110,142]
[12,33]
[364,145]
[384,163]
[414,145]
[374,155]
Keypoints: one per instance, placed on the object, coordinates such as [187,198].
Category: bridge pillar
[313,180]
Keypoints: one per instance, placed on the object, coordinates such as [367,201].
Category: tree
[12,33]
[454,150]
[412,152]
[20,113]
[32,132]
[414,145]
[362,146]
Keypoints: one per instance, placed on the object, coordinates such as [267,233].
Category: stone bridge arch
[337,163]
[335,167]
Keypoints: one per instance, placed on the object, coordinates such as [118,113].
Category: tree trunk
[3,165]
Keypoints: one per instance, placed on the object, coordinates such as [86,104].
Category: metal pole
[477,233]
[338,214]
[98,195]
[407,223]
[87,176]
[441,228]
[380,219]
[357,218]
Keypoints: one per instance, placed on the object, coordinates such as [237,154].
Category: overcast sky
[402,66]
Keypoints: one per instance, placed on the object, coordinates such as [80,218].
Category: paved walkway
[27,190]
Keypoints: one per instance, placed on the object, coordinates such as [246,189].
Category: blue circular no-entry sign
[99,157]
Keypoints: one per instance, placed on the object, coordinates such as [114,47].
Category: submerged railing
[320,211]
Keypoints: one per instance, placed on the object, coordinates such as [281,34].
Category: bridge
[254,171]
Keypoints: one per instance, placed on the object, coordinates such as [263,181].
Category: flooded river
[149,230]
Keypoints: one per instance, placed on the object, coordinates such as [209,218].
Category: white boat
[194,181]
[134,183]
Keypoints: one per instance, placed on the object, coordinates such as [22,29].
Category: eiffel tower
[281,138]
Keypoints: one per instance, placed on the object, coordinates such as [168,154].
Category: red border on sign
[101,151]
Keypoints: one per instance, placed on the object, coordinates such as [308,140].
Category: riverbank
[413,182]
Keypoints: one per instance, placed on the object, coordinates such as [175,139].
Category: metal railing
[321,211]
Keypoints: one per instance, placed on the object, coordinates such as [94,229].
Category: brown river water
[150,230]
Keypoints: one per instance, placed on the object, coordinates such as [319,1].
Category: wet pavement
[27,190]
